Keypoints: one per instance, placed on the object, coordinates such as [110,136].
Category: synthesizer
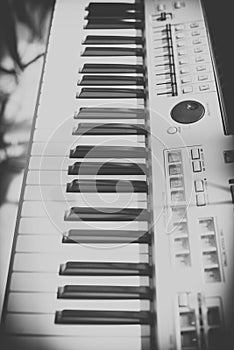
[124,234]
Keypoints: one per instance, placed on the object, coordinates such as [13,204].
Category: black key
[103,317]
[110,93]
[108,168]
[112,39]
[112,68]
[109,129]
[93,80]
[77,268]
[103,292]
[105,236]
[113,24]
[98,8]
[106,214]
[108,152]
[112,51]
[111,113]
[107,186]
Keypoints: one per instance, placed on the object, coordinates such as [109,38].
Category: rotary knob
[187,112]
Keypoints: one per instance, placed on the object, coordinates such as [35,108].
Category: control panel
[193,171]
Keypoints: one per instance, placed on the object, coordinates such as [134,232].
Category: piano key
[111,68]
[103,292]
[117,15]
[60,343]
[120,60]
[54,244]
[110,80]
[111,39]
[120,102]
[112,23]
[48,302]
[105,236]
[108,152]
[109,129]
[106,168]
[105,32]
[47,262]
[105,214]
[113,9]
[112,51]
[83,171]
[58,193]
[62,163]
[48,282]
[102,317]
[98,6]
[41,324]
[110,113]
[43,209]
[80,185]
[58,226]
[110,93]
[49,136]
[75,268]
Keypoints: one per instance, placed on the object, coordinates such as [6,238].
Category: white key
[118,32]
[62,163]
[44,325]
[40,209]
[116,102]
[85,343]
[44,262]
[53,244]
[50,123]
[49,282]
[44,225]
[58,193]
[49,136]
[109,59]
[48,303]
[70,123]
[61,177]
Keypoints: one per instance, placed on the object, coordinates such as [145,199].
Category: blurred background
[24,28]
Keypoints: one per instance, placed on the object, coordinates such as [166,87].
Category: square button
[201,67]
[183,61]
[204,87]
[202,77]
[182,52]
[197,41]
[174,156]
[184,70]
[198,50]
[200,59]
[197,166]
[187,89]
[196,33]
[200,199]
[181,44]
[195,153]
[179,27]
[186,79]
[180,35]
[199,185]
[194,25]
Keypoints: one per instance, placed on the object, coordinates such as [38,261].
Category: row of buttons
[209,250]
[197,48]
[177,5]
[198,183]
[181,244]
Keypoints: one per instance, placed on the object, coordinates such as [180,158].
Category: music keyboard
[123,232]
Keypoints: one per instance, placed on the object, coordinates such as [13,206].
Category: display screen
[219,16]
